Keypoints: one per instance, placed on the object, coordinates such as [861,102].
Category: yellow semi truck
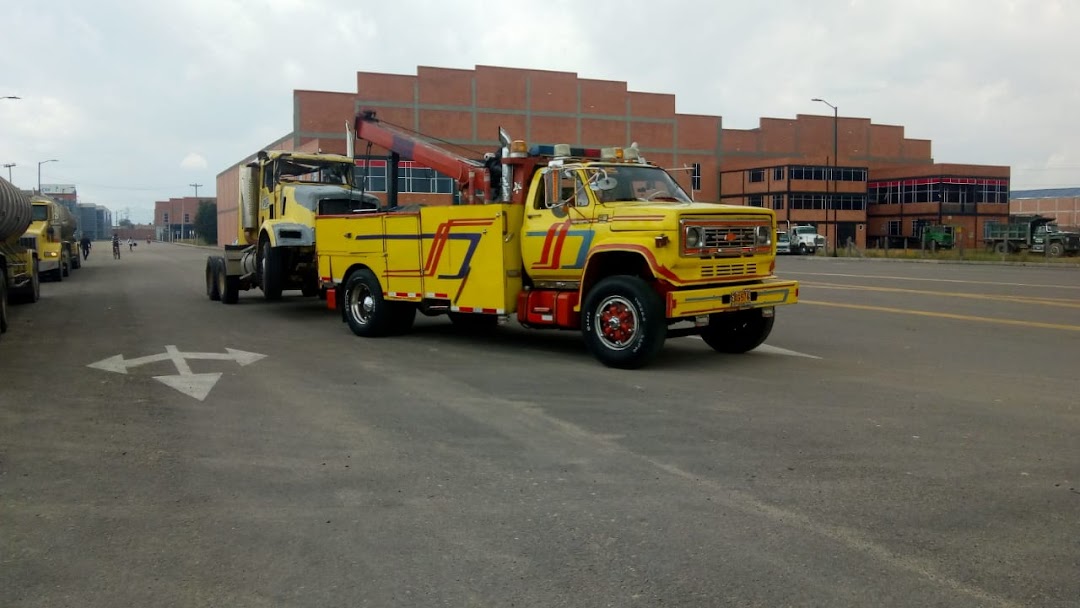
[18,253]
[52,227]
[280,193]
[593,240]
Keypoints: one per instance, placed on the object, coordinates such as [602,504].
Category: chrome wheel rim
[616,323]
[361,304]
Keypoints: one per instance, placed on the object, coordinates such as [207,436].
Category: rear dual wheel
[368,314]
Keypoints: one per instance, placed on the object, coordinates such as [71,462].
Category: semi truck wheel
[33,291]
[623,322]
[3,300]
[364,308]
[1001,247]
[228,287]
[270,271]
[65,265]
[213,290]
[737,332]
[1056,250]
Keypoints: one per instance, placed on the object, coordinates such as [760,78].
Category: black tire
[213,288]
[1001,247]
[803,250]
[641,311]
[270,271]
[474,322]
[365,310]
[737,332]
[228,287]
[33,291]
[3,301]
[1056,250]
[65,265]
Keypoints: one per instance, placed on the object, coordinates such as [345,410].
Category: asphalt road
[908,436]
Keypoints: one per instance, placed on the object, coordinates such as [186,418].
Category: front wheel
[737,332]
[623,322]
[1056,250]
[270,267]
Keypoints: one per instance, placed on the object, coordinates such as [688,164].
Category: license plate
[740,298]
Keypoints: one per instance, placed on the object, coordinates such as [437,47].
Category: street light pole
[42,162]
[836,227]
[8,166]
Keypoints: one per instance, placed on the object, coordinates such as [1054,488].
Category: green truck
[1034,233]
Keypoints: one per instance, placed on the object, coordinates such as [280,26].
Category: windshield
[639,183]
[314,171]
[40,213]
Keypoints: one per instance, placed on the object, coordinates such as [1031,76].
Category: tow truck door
[558,226]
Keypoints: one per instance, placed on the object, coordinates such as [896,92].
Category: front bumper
[48,264]
[694,302]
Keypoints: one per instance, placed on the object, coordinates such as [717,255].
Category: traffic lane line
[944,315]
[964,281]
[1062,302]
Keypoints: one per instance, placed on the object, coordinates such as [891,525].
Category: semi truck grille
[28,242]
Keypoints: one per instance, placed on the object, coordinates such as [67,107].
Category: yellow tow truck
[594,240]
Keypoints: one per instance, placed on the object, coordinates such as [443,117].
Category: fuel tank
[14,212]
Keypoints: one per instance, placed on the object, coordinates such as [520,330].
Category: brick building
[785,164]
[175,218]
[1062,204]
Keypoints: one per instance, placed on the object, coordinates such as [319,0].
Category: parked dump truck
[591,240]
[18,255]
[280,193]
[1034,233]
[53,227]
[936,236]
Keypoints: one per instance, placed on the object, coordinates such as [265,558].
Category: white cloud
[193,161]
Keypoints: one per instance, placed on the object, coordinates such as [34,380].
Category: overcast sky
[137,100]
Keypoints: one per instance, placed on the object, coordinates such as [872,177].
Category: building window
[695,177]
[756,200]
[894,228]
[165,218]
[778,201]
[186,219]
[778,173]
[757,175]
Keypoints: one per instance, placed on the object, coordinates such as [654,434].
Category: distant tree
[206,222]
[125,223]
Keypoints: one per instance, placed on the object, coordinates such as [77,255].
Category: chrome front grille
[716,271]
[28,242]
[728,236]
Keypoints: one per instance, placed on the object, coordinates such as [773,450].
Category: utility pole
[8,166]
[196,186]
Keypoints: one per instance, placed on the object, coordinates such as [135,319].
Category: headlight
[51,254]
[693,237]
[763,235]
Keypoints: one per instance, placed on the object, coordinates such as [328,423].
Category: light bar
[549,150]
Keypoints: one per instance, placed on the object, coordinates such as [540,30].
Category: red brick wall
[1066,210]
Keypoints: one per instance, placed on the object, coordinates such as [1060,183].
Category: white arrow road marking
[120,365]
[776,350]
[192,385]
[765,349]
[185,381]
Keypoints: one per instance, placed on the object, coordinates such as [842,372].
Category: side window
[563,187]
